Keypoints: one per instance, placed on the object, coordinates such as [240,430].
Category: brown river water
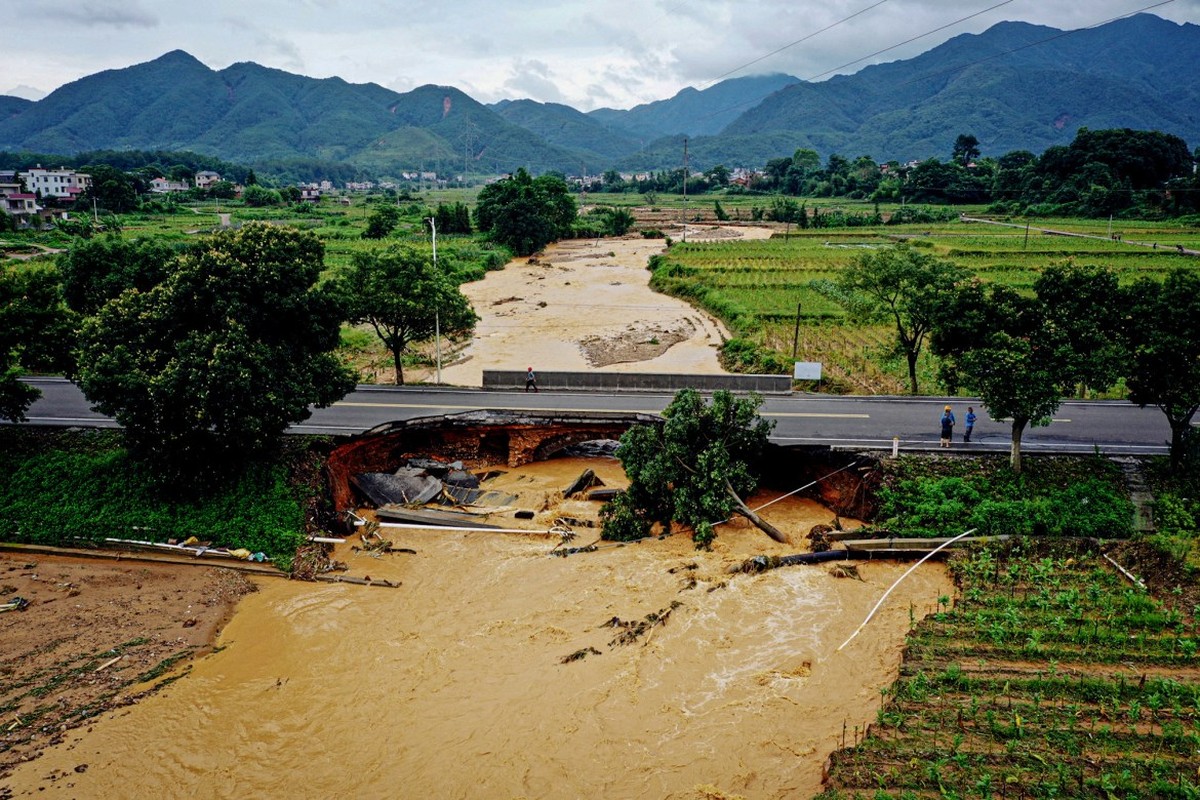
[453,686]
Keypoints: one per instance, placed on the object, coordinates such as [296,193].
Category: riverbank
[94,637]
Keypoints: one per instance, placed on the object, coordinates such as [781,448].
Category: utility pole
[437,316]
[796,335]
[685,166]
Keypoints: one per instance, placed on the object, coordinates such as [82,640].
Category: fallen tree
[693,469]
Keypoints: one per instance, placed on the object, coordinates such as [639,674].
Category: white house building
[61,183]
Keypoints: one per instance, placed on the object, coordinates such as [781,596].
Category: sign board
[807,371]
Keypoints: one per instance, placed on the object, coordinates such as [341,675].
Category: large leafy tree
[693,469]
[35,333]
[524,213]
[1164,338]
[111,189]
[1023,354]
[901,285]
[215,362]
[96,270]
[405,299]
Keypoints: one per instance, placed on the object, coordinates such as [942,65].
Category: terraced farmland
[1052,677]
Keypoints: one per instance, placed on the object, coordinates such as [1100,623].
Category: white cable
[902,577]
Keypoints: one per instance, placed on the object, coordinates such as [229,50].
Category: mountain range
[1015,86]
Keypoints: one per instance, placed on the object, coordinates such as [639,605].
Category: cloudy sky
[585,53]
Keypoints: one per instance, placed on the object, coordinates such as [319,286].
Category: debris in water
[586,480]
[845,571]
[579,655]
[691,566]
[631,630]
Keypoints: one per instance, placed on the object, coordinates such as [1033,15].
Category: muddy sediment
[454,684]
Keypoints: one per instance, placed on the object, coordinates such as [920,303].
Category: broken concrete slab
[382,488]
[460,477]
[425,516]
[466,496]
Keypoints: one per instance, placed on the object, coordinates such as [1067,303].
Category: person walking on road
[969,422]
[530,380]
[947,426]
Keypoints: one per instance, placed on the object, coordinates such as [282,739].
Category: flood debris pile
[401,495]
[425,480]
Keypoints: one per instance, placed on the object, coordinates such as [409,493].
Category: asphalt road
[1115,427]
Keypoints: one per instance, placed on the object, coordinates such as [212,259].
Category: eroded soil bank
[454,684]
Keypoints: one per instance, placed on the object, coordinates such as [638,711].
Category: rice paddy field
[763,289]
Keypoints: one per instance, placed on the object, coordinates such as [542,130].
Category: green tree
[1086,303]
[35,333]
[111,189]
[1164,339]
[212,365]
[966,149]
[991,341]
[258,196]
[404,298]
[381,222]
[899,284]
[96,270]
[693,469]
[525,214]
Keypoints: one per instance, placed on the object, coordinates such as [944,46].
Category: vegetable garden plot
[1050,677]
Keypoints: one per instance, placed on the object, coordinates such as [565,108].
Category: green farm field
[761,288]
[1051,676]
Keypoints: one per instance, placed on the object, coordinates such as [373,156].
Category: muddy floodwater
[454,685]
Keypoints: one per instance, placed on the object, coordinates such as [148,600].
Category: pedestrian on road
[969,420]
[530,380]
[947,426]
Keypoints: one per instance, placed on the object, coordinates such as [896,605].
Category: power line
[1058,35]
[793,44]
[878,52]
[913,39]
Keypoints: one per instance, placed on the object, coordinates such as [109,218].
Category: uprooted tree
[693,469]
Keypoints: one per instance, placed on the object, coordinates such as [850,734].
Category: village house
[61,183]
[22,206]
[206,178]
[166,185]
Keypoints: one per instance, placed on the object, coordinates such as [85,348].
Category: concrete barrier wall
[501,379]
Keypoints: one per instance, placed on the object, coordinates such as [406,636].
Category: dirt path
[587,305]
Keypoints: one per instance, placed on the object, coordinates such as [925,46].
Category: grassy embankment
[75,486]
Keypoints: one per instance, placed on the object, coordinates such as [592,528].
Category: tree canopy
[901,285]
[96,270]
[693,469]
[525,214]
[1022,354]
[1164,339]
[212,364]
[404,298]
[35,333]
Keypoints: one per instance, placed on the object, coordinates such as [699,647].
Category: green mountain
[11,106]
[694,112]
[562,125]
[254,114]
[1014,87]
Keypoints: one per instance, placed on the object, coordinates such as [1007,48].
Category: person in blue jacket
[969,422]
[947,426]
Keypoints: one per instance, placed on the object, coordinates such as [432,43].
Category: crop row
[1049,678]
